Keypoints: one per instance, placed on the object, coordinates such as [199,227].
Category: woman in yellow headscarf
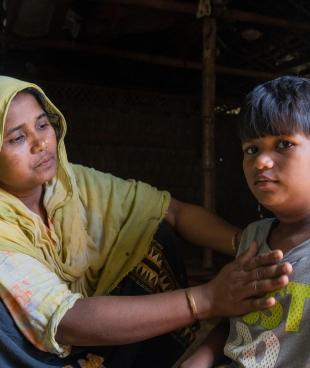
[74,240]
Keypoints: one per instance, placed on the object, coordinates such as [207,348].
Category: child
[275,135]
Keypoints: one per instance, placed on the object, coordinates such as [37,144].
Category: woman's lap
[161,270]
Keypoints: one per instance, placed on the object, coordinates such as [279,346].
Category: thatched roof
[155,42]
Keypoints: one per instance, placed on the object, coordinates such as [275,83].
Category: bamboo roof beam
[137,56]
[165,5]
[179,6]
[250,17]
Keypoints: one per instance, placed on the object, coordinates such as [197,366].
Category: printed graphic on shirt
[262,351]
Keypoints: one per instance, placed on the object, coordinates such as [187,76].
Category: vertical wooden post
[208,101]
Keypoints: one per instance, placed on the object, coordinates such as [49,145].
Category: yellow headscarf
[102,225]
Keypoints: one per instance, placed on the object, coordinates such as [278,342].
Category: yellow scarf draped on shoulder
[102,225]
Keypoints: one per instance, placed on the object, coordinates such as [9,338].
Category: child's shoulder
[257,230]
[260,224]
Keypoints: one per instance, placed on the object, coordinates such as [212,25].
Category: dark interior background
[127,76]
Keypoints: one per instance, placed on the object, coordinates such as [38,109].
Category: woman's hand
[240,286]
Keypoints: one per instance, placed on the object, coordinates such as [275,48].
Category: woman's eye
[43,124]
[18,139]
[251,150]
[284,145]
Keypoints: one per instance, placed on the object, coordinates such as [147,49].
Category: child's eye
[250,150]
[283,145]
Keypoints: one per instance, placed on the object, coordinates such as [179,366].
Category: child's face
[277,170]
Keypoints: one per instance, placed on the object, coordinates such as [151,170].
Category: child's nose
[264,162]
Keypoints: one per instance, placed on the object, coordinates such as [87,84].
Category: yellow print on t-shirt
[243,348]
[271,318]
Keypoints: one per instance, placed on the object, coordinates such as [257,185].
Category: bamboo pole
[208,102]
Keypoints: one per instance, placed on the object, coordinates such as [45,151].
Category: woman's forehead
[23,106]
[23,102]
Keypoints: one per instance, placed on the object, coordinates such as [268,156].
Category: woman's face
[28,157]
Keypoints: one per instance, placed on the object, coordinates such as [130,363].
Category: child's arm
[211,350]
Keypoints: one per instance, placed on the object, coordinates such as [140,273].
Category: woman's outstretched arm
[201,227]
[113,320]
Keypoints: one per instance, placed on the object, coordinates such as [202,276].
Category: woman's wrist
[203,301]
[192,304]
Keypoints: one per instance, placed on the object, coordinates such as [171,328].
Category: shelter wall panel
[144,135]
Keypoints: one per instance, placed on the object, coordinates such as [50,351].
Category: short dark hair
[279,106]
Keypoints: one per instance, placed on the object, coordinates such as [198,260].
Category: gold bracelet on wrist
[192,304]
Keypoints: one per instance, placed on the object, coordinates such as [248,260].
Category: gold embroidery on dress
[155,275]
[93,361]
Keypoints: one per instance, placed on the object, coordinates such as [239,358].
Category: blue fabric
[17,352]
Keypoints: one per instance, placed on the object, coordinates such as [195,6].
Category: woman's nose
[40,145]
[264,162]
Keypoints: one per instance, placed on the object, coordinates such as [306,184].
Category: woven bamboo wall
[154,137]
[134,134]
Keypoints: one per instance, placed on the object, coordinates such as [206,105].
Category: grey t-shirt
[278,337]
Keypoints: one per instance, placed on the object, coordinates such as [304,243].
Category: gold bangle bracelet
[192,304]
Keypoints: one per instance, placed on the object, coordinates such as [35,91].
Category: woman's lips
[45,161]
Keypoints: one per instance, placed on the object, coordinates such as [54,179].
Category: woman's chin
[48,174]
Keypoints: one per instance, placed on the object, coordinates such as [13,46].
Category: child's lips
[263,181]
